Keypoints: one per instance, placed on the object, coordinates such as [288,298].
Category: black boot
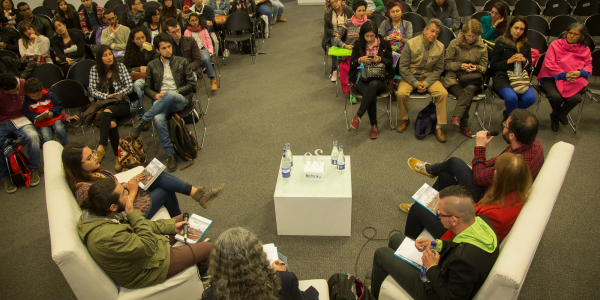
[137,130]
[565,109]
[553,122]
[172,163]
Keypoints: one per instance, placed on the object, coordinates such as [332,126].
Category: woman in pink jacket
[197,29]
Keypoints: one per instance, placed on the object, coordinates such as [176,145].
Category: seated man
[19,67]
[186,47]
[133,16]
[115,35]
[11,107]
[169,80]
[421,64]
[457,268]
[41,24]
[519,133]
[133,251]
[39,100]
[91,16]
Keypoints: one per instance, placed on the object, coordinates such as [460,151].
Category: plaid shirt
[483,171]
[125,88]
[374,51]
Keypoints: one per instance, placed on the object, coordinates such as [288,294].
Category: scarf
[135,18]
[358,22]
[195,29]
[564,57]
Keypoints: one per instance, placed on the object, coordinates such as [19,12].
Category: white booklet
[20,122]
[428,197]
[271,252]
[409,253]
[196,229]
[154,168]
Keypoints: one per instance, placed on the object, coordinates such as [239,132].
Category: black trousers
[560,106]
[455,171]
[464,98]
[119,111]
[420,218]
[406,275]
[369,90]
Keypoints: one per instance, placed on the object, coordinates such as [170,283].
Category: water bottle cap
[287,145]
[341,147]
[433,244]
[335,142]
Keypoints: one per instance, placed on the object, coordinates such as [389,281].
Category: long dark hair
[133,56]
[368,26]
[61,14]
[72,156]
[11,4]
[103,69]
[515,19]
[149,14]
[168,12]
[101,195]
[502,9]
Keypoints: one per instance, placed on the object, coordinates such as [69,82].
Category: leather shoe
[373,133]
[563,119]
[355,122]
[419,167]
[466,131]
[213,84]
[439,135]
[281,20]
[172,163]
[405,207]
[100,155]
[554,122]
[402,126]
[204,196]
[455,121]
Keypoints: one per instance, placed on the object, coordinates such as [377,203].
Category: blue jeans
[334,61]
[277,8]
[27,133]
[448,22]
[513,100]
[138,85]
[162,193]
[59,129]
[265,10]
[205,56]
[170,102]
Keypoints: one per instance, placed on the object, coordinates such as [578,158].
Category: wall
[35,3]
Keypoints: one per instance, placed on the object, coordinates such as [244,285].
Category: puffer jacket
[459,52]
[182,74]
[503,50]
[134,251]
[421,62]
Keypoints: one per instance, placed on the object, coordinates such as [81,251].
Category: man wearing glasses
[134,15]
[456,268]
[114,35]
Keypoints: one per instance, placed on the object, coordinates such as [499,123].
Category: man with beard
[115,35]
[519,132]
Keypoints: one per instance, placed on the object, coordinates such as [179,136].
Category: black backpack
[184,143]
[343,286]
[426,121]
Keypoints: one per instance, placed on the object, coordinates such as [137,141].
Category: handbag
[373,71]
[130,153]
[220,19]
[469,78]
[519,83]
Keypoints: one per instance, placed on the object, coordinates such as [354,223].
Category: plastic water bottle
[517,69]
[423,269]
[341,161]
[285,167]
[334,155]
[289,155]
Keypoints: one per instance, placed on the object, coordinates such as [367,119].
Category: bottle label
[285,172]
[291,163]
[341,166]
[334,161]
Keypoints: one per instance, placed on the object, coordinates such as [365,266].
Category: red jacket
[48,101]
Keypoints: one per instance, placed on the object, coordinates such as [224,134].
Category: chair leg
[573,124]
[348,115]
[481,122]
[207,95]
[203,123]
[253,55]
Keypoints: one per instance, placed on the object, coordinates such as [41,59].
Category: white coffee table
[314,207]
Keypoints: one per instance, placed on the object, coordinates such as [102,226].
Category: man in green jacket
[133,251]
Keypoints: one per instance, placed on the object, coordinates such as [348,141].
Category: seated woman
[370,49]
[445,11]
[198,30]
[10,15]
[32,45]
[501,204]
[465,54]
[67,15]
[396,30]
[373,7]
[82,169]
[221,7]
[329,4]
[347,35]
[133,251]
[334,19]
[565,71]
[170,11]
[138,53]
[512,47]
[68,45]
[238,262]
[495,25]
[154,23]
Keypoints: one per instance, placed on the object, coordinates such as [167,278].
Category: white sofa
[518,248]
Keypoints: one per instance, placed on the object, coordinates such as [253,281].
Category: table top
[334,185]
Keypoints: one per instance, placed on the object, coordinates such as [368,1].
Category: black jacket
[191,52]
[503,50]
[182,73]
[19,67]
[148,57]
[329,25]
[125,20]
[385,51]
[462,270]
[72,22]
[77,39]
[11,38]
[43,26]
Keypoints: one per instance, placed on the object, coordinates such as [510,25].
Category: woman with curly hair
[252,277]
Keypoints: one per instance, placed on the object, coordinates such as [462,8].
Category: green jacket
[379,6]
[133,251]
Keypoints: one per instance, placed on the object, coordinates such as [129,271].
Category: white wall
[35,3]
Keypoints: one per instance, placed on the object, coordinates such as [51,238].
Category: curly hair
[239,268]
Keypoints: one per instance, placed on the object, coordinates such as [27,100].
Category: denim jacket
[221,8]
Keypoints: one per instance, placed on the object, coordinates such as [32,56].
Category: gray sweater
[444,13]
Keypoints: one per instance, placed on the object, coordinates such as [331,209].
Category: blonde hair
[512,175]
[474,26]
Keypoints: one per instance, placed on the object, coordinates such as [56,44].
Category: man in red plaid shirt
[519,132]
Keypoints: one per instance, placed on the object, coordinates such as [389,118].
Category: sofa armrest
[319,284]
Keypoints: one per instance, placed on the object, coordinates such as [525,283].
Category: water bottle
[423,269]
[334,155]
[285,167]
[289,155]
[517,68]
[341,162]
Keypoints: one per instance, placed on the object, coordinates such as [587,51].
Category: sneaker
[204,196]
[9,186]
[352,99]
[405,207]
[418,166]
[35,178]
[334,76]
[226,53]
[172,163]
[373,133]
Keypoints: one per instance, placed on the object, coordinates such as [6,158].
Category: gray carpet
[285,97]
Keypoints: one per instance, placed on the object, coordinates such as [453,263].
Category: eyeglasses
[447,216]
[573,34]
[471,36]
[504,125]
[93,157]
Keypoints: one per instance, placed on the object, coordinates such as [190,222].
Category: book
[428,197]
[20,122]
[196,229]
[271,252]
[41,117]
[409,253]
[152,170]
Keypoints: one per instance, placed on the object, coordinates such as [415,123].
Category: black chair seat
[238,37]
[127,119]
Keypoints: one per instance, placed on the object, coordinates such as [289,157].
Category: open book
[428,197]
[196,229]
[154,168]
[20,122]
[409,253]
[41,116]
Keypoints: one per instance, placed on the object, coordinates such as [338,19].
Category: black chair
[417,21]
[43,11]
[465,10]
[585,8]
[560,24]
[80,72]
[479,4]
[72,96]
[50,4]
[119,9]
[89,53]
[407,8]
[446,36]
[478,15]
[526,8]
[539,24]
[152,6]
[593,25]
[422,9]
[378,19]
[349,113]
[240,22]
[542,3]
[415,3]
[490,4]
[556,8]
[573,2]
[538,41]
[110,4]
[48,74]
[8,53]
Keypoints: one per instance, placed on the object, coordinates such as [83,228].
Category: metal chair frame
[387,93]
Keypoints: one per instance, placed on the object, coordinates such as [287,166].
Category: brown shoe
[118,166]
[466,131]
[355,122]
[405,207]
[373,133]
[402,125]
[455,121]
[418,166]
[439,135]
[213,84]
[281,20]
[100,155]
[204,196]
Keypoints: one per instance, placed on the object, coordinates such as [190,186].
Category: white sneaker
[334,76]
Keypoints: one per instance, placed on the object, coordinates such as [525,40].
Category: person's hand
[368,12]
[132,185]
[349,47]
[464,67]
[33,36]
[209,23]
[513,58]
[429,258]
[2,45]
[421,88]
[472,68]
[422,243]
[70,61]
[45,55]
[336,34]
[49,115]
[143,69]
[279,265]
[71,118]
[159,95]
[571,76]
[498,22]
[399,38]
[128,204]
[179,226]
[482,139]
[366,60]
[113,29]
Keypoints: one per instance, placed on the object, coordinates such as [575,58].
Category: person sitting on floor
[39,100]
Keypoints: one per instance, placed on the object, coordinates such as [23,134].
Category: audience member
[10,16]
[205,12]
[246,6]
[445,11]
[495,25]
[185,47]
[197,29]
[277,11]
[154,24]
[334,20]
[369,50]
[347,36]
[423,76]
[373,7]
[67,15]
[91,16]
[68,45]
[396,30]
[9,39]
[114,35]
[109,78]
[457,268]
[32,45]
[221,7]
[513,47]
[133,251]
[39,100]
[11,107]
[137,56]
[466,55]
[564,74]
[18,67]
[169,89]
[170,11]
[41,24]
[328,4]
[134,15]
[238,262]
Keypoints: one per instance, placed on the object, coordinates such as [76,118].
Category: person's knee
[113,124]
[160,119]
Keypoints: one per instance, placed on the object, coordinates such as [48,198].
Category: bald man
[458,268]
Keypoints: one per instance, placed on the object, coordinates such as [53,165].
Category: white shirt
[168,83]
